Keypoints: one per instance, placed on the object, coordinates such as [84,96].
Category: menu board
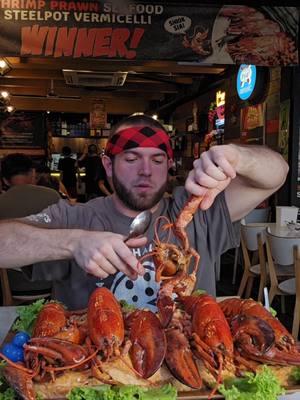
[22,129]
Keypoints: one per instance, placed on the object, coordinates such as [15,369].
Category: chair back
[258,215]
[18,202]
[282,248]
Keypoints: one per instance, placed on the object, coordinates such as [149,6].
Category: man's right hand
[105,253]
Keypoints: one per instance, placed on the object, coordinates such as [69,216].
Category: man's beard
[135,202]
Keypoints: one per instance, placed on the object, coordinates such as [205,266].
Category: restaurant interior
[47,103]
[74,103]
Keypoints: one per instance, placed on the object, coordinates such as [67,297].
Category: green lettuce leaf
[261,386]
[126,392]
[296,375]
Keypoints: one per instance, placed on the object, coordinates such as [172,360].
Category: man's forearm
[261,167]
[23,244]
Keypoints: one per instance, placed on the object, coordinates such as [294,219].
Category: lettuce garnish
[295,375]
[127,392]
[260,386]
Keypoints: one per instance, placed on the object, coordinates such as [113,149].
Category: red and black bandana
[139,136]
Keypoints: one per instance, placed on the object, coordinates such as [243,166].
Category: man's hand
[105,253]
[212,173]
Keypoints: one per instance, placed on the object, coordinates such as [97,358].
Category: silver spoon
[139,225]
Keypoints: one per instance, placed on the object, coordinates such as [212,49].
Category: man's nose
[145,168]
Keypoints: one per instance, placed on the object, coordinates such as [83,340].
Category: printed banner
[144,31]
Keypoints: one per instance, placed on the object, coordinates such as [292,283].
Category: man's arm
[248,174]
[98,253]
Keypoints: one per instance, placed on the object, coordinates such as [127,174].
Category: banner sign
[145,31]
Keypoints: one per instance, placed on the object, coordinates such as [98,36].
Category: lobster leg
[70,353]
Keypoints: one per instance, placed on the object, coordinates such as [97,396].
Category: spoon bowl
[140,224]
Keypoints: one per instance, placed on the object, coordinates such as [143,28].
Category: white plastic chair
[256,215]
[253,240]
[284,262]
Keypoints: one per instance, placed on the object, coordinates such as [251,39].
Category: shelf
[79,137]
[29,152]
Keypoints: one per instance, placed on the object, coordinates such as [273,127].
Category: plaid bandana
[139,136]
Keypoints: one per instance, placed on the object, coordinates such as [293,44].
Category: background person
[91,161]
[138,157]
[68,168]
[17,169]
[21,199]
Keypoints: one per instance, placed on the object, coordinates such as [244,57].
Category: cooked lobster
[148,342]
[257,335]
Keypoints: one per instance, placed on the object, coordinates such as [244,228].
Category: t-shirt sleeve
[60,215]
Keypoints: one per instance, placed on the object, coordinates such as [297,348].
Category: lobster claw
[253,334]
[179,359]
[148,342]
[21,381]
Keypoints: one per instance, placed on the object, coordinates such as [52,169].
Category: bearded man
[137,159]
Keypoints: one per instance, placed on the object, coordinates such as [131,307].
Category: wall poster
[22,129]
[229,34]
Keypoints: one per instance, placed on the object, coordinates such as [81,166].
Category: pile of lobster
[189,333]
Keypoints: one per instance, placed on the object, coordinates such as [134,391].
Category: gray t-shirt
[211,233]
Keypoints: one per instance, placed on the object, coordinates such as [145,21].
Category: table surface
[8,315]
[278,230]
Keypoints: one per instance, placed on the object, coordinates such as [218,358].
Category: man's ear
[107,164]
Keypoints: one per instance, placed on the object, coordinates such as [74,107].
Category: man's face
[139,177]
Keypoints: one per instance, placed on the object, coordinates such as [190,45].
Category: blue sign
[245,82]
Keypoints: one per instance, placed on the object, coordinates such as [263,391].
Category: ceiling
[39,84]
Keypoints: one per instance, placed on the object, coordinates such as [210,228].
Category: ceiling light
[10,109]
[4,94]
[4,66]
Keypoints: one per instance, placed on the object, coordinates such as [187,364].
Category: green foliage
[126,392]
[296,375]
[261,386]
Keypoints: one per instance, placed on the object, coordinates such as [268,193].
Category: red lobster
[45,356]
[257,335]
[172,263]
[148,342]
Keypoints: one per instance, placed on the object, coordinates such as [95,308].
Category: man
[91,160]
[17,169]
[68,169]
[22,196]
[232,180]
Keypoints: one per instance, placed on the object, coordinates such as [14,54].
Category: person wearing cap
[232,180]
